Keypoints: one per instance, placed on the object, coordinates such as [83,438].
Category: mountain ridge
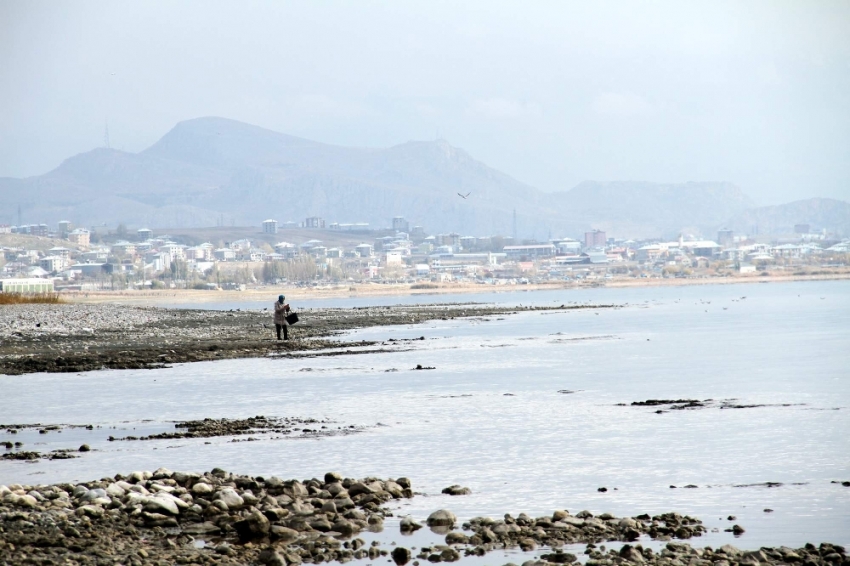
[206,168]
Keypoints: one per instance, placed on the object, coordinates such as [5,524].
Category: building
[364,250]
[64,228]
[26,285]
[269,226]
[400,224]
[52,263]
[92,269]
[314,222]
[144,234]
[725,238]
[595,239]
[80,236]
[529,251]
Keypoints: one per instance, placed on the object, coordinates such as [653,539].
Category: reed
[29,298]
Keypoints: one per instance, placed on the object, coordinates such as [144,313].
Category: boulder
[202,488]
[230,498]
[333,477]
[408,525]
[401,555]
[441,518]
[456,490]
[456,538]
[252,527]
[283,534]
[270,557]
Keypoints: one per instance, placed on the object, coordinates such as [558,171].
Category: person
[280,310]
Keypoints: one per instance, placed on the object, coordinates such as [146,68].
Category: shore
[190,296]
[84,337]
[166,517]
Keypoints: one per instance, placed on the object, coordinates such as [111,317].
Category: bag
[292,318]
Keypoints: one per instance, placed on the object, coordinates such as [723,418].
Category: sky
[553,93]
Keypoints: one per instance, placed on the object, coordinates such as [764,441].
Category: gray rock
[457,490]
[201,528]
[441,518]
[270,557]
[202,488]
[401,555]
[333,477]
[254,526]
[408,525]
[230,498]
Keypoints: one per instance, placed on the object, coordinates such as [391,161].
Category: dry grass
[29,298]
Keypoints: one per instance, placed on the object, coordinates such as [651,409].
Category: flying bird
[464,196]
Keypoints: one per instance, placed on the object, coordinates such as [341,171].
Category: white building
[269,226]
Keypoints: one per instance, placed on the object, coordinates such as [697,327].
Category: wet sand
[84,337]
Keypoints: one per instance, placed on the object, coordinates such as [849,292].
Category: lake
[531,411]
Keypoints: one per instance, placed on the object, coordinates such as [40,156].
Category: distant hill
[211,169]
[638,209]
[819,213]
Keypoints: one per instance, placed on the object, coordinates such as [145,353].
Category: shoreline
[223,518]
[369,290]
[68,338]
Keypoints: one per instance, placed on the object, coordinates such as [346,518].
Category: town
[311,252]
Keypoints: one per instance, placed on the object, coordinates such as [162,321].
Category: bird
[464,196]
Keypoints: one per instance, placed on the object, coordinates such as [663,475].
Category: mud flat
[166,517]
[83,337]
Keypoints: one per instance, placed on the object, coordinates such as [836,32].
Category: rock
[115,490]
[329,507]
[359,488]
[333,477]
[201,528]
[85,448]
[26,501]
[449,555]
[457,490]
[456,538]
[560,557]
[737,530]
[158,520]
[162,473]
[159,504]
[93,494]
[229,497]
[254,526]
[283,534]
[408,525]
[89,511]
[202,488]
[270,557]
[559,515]
[441,518]
[632,554]
[401,555]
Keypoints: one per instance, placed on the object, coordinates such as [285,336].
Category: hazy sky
[552,93]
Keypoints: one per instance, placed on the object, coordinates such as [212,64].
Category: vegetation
[29,298]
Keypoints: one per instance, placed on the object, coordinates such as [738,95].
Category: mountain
[208,169]
[819,213]
[638,209]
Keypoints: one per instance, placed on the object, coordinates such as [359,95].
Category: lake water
[493,414]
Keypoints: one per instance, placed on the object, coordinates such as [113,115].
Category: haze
[551,93]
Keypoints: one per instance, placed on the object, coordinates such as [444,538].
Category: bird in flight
[464,196]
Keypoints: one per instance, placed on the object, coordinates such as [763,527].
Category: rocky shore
[166,517]
[83,337]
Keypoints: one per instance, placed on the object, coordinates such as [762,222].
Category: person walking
[280,310]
